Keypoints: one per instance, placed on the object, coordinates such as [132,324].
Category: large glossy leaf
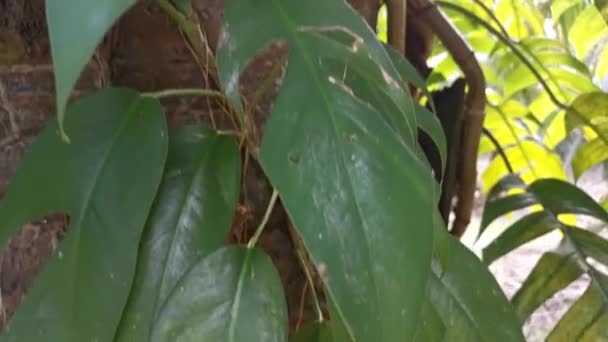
[407,70]
[285,21]
[234,294]
[431,326]
[349,179]
[75,29]
[105,180]
[190,219]
[553,272]
[479,314]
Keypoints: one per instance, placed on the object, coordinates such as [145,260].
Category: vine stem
[180,18]
[311,283]
[526,62]
[258,232]
[474,113]
[184,92]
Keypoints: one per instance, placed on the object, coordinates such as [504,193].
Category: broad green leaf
[587,319]
[234,294]
[347,180]
[75,28]
[524,230]
[407,70]
[190,219]
[430,327]
[287,22]
[590,244]
[528,158]
[429,124]
[536,44]
[521,78]
[589,108]
[553,272]
[441,242]
[479,314]
[105,180]
[554,129]
[552,59]
[480,41]
[558,7]
[356,73]
[501,206]
[589,155]
[561,197]
[588,29]
[315,332]
[505,185]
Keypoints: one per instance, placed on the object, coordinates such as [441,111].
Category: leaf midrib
[291,28]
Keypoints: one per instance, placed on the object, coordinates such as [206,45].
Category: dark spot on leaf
[294,159]
[350,137]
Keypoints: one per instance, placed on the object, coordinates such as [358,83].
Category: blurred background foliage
[546,129]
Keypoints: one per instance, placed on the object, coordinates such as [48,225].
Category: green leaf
[431,327]
[528,158]
[558,7]
[588,29]
[589,109]
[590,154]
[501,206]
[185,6]
[587,319]
[590,244]
[290,22]
[190,219]
[105,180]
[234,294]
[429,124]
[506,184]
[441,242]
[553,272]
[75,29]
[479,314]
[357,74]
[348,179]
[524,230]
[408,71]
[316,332]
[561,197]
